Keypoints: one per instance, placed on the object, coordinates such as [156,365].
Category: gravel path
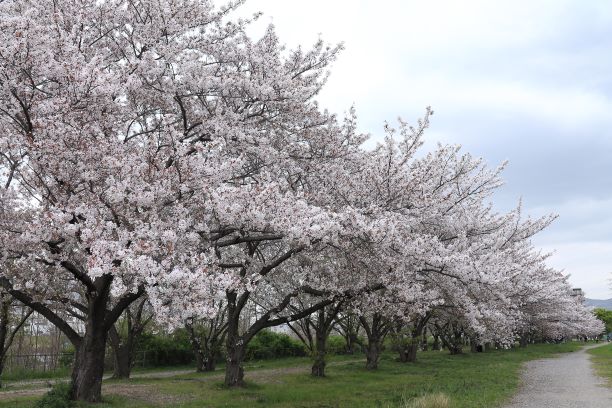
[564,382]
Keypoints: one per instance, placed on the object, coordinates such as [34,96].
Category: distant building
[578,292]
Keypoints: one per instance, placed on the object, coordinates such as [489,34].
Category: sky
[525,81]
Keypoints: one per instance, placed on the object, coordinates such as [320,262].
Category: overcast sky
[526,81]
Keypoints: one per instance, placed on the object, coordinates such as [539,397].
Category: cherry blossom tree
[153,146]
[137,132]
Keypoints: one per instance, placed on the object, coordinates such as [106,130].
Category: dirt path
[564,382]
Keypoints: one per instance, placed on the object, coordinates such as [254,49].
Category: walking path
[564,382]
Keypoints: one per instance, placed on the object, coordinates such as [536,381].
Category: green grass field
[469,381]
[602,360]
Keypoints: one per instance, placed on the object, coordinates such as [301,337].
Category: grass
[21,374]
[437,380]
[428,401]
[602,360]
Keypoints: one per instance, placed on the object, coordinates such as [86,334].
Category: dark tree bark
[237,342]
[424,344]
[348,327]
[473,345]
[207,337]
[122,358]
[408,343]
[235,346]
[376,331]
[314,330]
[373,354]
[98,318]
[417,333]
[318,366]
[436,344]
[89,359]
[452,338]
[89,366]
[402,340]
[124,343]
[524,340]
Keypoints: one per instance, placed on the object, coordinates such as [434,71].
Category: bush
[166,350]
[267,344]
[336,345]
[67,357]
[57,397]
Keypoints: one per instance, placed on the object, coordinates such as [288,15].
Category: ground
[568,381]
[474,380]
[602,361]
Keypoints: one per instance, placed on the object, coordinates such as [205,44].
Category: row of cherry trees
[152,147]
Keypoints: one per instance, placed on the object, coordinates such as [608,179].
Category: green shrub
[166,350]
[57,397]
[336,345]
[267,344]
[67,357]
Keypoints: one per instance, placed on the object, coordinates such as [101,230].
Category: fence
[55,361]
[146,358]
[37,362]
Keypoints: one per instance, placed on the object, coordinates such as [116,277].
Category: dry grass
[438,400]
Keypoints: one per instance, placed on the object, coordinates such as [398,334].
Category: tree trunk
[236,349]
[372,354]
[1,368]
[234,372]
[452,341]
[123,362]
[89,368]
[4,319]
[524,340]
[205,362]
[424,341]
[318,367]
[411,349]
[210,364]
[455,350]
[122,353]
[353,342]
[89,357]
[403,353]
[436,343]
[408,351]
[376,333]
[199,359]
[205,353]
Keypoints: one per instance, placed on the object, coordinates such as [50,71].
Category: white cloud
[466,56]
[580,219]
[529,81]
[589,265]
